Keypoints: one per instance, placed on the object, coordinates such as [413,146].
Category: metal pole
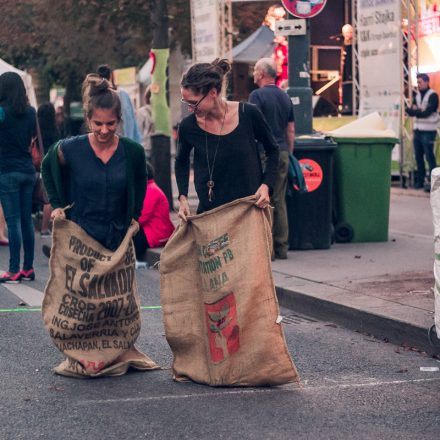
[299,81]
[355,58]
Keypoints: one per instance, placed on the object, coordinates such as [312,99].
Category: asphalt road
[352,387]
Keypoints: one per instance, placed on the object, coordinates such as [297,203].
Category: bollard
[435,206]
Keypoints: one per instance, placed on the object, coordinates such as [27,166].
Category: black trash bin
[310,214]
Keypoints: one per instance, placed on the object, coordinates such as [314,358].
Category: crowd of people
[102,181]
[220,133]
[102,174]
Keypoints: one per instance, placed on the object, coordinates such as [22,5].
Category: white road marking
[285,388]
[32,297]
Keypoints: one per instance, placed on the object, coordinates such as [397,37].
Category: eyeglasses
[193,105]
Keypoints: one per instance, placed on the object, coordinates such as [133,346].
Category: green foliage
[68,39]
[65,40]
[247,17]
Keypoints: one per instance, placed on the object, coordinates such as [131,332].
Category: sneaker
[11,278]
[28,275]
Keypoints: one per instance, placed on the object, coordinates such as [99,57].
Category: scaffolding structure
[222,10]
[225,15]
[355,57]
[409,61]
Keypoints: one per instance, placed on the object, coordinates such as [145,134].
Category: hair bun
[222,65]
[95,85]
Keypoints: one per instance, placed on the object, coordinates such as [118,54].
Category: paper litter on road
[429,369]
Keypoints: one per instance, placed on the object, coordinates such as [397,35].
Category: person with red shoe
[17,174]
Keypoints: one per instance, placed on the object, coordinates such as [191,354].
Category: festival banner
[380,53]
[205,28]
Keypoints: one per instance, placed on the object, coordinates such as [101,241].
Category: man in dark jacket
[424,109]
[277,108]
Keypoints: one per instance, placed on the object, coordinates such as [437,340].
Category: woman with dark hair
[17,174]
[49,135]
[48,126]
[102,176]
[223,135]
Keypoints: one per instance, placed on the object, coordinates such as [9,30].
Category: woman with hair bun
[223,135]
[101,175]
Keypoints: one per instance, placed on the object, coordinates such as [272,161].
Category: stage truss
[409,61]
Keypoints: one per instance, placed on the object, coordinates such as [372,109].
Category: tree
[66,40]
[160,141]
[247,17]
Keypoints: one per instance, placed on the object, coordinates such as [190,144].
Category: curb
[395,331]
[391,330]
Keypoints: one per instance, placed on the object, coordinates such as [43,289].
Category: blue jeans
[424,148]
[16,190]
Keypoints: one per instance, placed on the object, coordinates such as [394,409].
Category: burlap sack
[91,305]
[435,206]
[218,298]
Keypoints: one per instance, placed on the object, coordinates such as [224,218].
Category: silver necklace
[210,183]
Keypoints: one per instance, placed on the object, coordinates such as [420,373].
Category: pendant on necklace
[210,186]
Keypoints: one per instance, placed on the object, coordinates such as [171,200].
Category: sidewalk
[383,289]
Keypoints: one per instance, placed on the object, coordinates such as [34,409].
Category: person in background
[144,119]
[346,89]
[155,223]
[18,125]
[128,126]
[277,108]
[424,109]
[110,170]
[49,135]
[3,238]
[60,121]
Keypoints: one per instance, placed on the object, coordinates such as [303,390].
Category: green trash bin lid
[366,140]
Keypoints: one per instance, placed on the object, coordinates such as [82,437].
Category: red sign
[429,25]
[304,8]
[312,172]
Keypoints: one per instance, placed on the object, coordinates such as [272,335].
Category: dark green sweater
[56,179]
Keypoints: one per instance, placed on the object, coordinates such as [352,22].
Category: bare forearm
[290,136]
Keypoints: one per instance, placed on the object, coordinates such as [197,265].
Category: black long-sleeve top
[237,171]
[431,108]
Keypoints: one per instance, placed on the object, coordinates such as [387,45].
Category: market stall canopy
[27,79]
[144,74]
[258,45]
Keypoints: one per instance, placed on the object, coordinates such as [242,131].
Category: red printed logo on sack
[223,330]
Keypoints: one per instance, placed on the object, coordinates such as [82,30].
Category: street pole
[160,140]
[299,81]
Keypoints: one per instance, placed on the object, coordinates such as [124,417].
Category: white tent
[27,79]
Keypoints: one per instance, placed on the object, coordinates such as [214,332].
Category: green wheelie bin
[362,188]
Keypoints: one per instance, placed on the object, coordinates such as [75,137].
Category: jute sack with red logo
[91,305]
[218,297]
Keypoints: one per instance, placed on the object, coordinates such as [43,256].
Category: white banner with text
[380,52]
[205,28]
